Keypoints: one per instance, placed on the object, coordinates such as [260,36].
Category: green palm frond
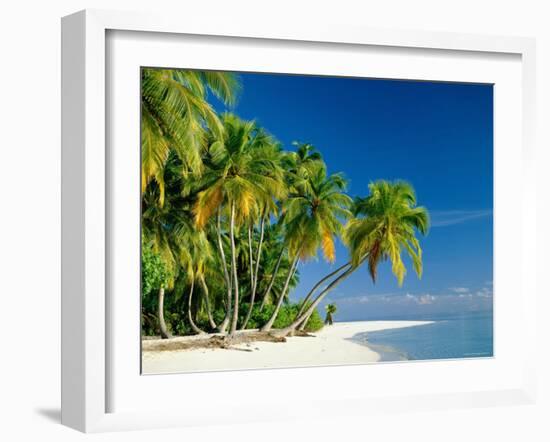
[176,116]
[385,224]
[315,210]
[246,165]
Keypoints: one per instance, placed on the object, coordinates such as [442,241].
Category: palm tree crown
[315,217]
[385,224]
[243,168]
[176,116]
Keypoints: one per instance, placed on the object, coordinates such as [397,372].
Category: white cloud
[459,289]
[426,299]
[454,298]
[484,293]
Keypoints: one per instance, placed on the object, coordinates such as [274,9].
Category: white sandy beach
[333,345]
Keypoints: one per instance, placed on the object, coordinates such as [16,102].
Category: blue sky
[437,136]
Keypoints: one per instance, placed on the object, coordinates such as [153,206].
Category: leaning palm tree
[175,116]
[299,166]
[313,219]
[240,179]
[385,225]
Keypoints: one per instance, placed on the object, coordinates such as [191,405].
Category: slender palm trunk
[162,324]
[316,286]
[256,270]
[287,330]
[223,326]
[250,258]
[290,329]
[291,271]
[302,326]
[272,280]
[259,253]
[234,271]
[207,301]
[189,315]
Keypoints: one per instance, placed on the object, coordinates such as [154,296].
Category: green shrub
[178,325]
[285,317]
[218,315]
[315,322]
[153,271]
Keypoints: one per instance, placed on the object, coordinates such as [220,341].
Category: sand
[333,345]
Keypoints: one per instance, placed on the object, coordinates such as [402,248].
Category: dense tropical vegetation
[228,214]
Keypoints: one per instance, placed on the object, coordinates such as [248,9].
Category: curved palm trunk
[290,329]
[287,330]
[291,271]
[208,305]
[162,324]
[250,258]
[272,281]
[251,271]
[256,270]
[302,326]
[223,326]
[189,315]
[316,286]
[234,271]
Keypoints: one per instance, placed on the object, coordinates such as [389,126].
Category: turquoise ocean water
[468,335]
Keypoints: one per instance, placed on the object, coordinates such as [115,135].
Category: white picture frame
[86,357]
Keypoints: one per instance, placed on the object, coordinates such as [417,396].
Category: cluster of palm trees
[228,214]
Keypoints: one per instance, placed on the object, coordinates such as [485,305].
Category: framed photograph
[252,214]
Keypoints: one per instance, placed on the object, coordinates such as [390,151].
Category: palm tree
[274,264]
[299,166]
[176,116]
[227,278]
[195,258]
[159,238]
[331,310]
[207,301]
[302,164]
[241,178]
[313,218]
[385,224]
[164,226]
[267,207]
